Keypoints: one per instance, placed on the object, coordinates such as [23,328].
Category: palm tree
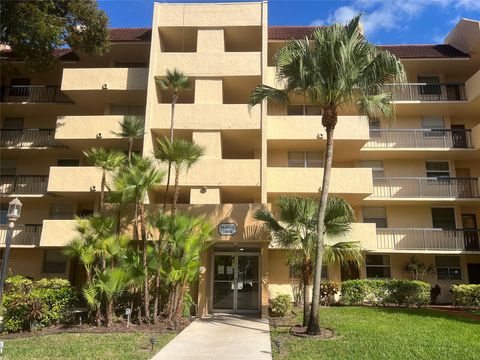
[175,81]
[132,128]
[182,154]
[337,68]
[108,161]
[134,181]
[295,229]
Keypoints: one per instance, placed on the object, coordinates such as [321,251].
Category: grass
[386,333]
[118,346]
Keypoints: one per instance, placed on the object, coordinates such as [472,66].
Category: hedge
[382,292]
[29,304]
[466,295]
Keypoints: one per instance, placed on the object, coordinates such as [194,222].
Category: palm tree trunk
[130,147]
[306,278]
[329,120]
[179,310]
[176,192]
[146,297]
[172,127]
[167,186]
[110,312]
[102,192]
[157,298]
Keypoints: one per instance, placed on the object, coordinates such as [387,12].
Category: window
[305,159]
[13,123]
[127,109]
[436,125]
[61,211]
[3,214]
[435,169]
[300,110]
[68,162]
[54,262]
[443,218]
[378,266]
[375,165]
[448,268]
[374,126]
[432,86]
[375,215]
[8,167]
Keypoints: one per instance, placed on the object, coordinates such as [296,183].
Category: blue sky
[385,21]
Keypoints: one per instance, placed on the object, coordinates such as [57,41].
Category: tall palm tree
[134,181]
[132,129]
[337,68]
[182,154]
[293,226]
[108,161]
[175,81]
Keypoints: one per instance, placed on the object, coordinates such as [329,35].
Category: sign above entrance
[227,229]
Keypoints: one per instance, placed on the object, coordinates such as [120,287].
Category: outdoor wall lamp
[203,190]
[99,135]
[93,188]
[104,87]
[319,136]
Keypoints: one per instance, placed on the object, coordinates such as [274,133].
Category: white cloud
[387,15]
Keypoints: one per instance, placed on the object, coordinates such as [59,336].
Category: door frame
[236,254]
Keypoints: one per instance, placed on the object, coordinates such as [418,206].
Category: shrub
[188,303]
[434,294]
[41,303]
[381,292]
[466,295]
[328,290]
[281,305]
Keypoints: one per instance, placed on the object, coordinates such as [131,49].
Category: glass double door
[236,282]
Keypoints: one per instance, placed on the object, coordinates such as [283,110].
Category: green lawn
[386,333]
[127,346]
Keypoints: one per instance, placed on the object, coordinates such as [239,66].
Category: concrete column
[204,195]
[209,91]
[210,40]
[211,142]
[264,279]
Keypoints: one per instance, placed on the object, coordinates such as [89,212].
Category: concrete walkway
[231,337]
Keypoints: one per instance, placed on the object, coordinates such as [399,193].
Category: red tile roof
[402,51]
[130,34]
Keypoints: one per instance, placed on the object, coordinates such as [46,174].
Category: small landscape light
[1,348]
[153,341]
[278,343]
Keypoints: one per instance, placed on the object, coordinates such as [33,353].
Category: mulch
[117,328]
[454,311]
[301,331]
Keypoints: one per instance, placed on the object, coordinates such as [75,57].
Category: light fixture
[93,188]
[14,210]
[104,87]
[99,135]
[319,136]
[241,249]
[203,190]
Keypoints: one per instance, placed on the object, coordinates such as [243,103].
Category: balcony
[51,230]
[23,184]
[420,139]
[353,181]
[28,138]
[207,116]
[422,92]
[33,94]
[424,187]
[23,235]
[428,239]
[75,179]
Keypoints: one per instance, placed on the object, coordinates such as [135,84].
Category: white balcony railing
[419,187]
[428,239]
[427,92]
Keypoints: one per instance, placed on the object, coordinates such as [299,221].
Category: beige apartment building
[413,183]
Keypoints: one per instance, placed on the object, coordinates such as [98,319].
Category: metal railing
[23,184]
[420,138]
[33,94]
[417,187]
[28,138]
[428,239]
[427,92]
[22,234]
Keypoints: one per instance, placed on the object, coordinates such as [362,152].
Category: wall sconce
[99,135]
[104,87]
[93,188]
[319,136]
[203,190]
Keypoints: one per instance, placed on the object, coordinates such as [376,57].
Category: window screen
[375,215]
[443,218]
[448,267]
[54,262]
[378,266]
[437,169]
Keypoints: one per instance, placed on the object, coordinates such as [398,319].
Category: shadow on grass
[421,312]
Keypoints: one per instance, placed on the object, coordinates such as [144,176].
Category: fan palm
[134,181]
[132,129]
[175,81]
[182,154]
[337,68]
[294,227]
[108,161]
